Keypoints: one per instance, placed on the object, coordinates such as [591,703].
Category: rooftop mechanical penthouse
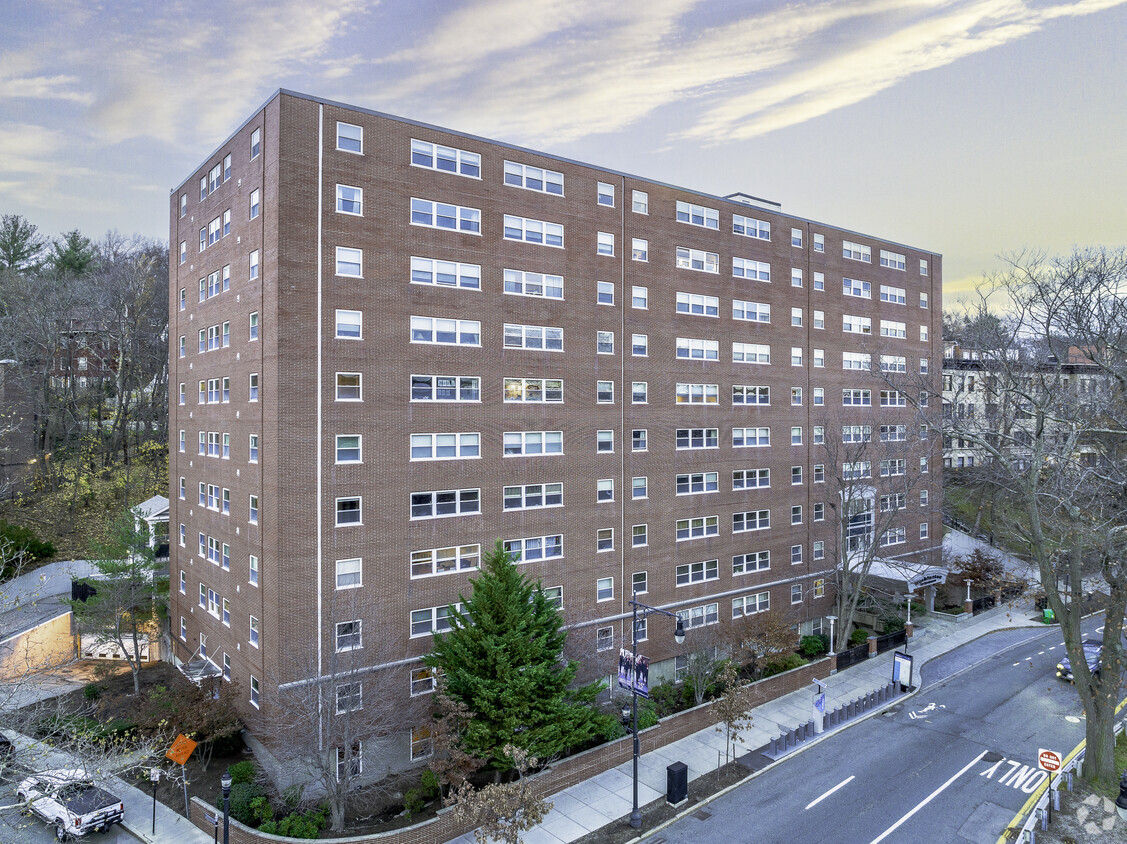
[393,344]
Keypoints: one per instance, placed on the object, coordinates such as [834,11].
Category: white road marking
[928,799]
[1039,653]
[1017,663]
[1053,648]
[831,791]
[1099,630]
[1029,659]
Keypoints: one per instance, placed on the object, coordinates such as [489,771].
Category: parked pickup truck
[69,800]
[1092,648]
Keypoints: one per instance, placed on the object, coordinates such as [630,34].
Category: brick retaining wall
[563,774]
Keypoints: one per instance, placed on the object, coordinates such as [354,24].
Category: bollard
[1056,799]
[1042,819]
[1069,780]
[775,746]
[809,729]
[880,695]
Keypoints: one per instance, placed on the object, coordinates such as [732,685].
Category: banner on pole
[634,676]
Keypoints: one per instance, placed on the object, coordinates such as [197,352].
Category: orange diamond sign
[181,749]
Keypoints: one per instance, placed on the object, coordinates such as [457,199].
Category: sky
[973,128]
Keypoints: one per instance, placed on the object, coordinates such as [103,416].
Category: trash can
[677,783]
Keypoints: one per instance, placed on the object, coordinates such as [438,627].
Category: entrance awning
[915,575]
[200,668]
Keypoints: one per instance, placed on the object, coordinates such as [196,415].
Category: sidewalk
[170,825]
[608,797]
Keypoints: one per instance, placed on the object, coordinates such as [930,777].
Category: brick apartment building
[394,344]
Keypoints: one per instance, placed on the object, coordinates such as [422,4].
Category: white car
[70,801]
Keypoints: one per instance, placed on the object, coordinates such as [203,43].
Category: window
[860,361]
[856,324]
[748,227]
[534,178]
[640,202]
[640,249]
[532,496]
[639,535]
[535,548]
[796,514]
[445,159]
[183,346]
[605,244]
[795,277]
[856,433]
[452,388]
[893,536]
[690,573]
[819,320]
[349,573]
[697,528]
[699,616]
[252,388]
[604,638]
[350,138]
[796,588]
[895,295]
[254,204]
[923,465]
[796,476]
[856,471]
[445,273]
[751,311]
[748,563]
[252,330]
[226,667]
[605,194]
[444,215]
[253,507]
[698,215]
[796,356]
[531,443]
[639,297]
[819,396]
[349,635]
[819,243]
[856,398]
[819,281]
[856,252]
[819,473]
[892,329]
[923,271]
[796,238]
[638,439]
[855,288]
[923,366]
[892,502]
[640,582]
[698,305]
[893,363]
[604,342]
[692,349]
[923,398]
[747,394]
[254,631]
[604,392]
[349,262]
[534,337]
[893,433]
[750,479]
[350,200]
[751,437]
[796,436]
[348,511]
[533,390]
[350,763]
[183,257]
[893,398]
[696,259]
[796,317]
[923,333]
[751,520]
[697,482]
[554,596]
[443,503]
[436,561]
[534,231]
[349,697]
[449,332]
[604,589]
[423,681]
[923,530]
[639,487]
[183,298]
[753,270]
[892,260]
[751,353]
[698,438]
[349,325]
[639,345]
[604,441]
[639,392]
[254,690]
[604,489]
[604,539]
[445,446]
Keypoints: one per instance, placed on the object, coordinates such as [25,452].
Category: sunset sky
[974,128]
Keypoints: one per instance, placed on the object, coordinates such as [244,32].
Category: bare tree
[734,706]
[326,731]
[502,811]
[756,639]
[1050,420]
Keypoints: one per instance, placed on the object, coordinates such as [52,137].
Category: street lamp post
[832,619]
[225,782]
[678,637]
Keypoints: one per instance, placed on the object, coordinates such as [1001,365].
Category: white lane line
[831,791]
[1029,659]
[1039,653]
[1053,648]
[928,799]
[1017,664]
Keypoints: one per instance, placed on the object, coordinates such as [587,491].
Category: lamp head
[225,782]
[679,633]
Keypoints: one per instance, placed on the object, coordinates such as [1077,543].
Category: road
[18,828]
[954,763]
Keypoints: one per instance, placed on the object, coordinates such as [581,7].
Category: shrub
[779,664]
[92,691]
[24,539]
[892,625]
[243,795]
[859,636]
[813,645]
[430,785]
[647,715]
[243,772]
[610,728]
[297,825]
[665,697]
[412,802]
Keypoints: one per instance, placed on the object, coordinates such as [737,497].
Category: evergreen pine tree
[503,660]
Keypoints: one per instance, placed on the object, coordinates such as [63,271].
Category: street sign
[181,749]
[154,774]
[902,669]
[1048,760]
